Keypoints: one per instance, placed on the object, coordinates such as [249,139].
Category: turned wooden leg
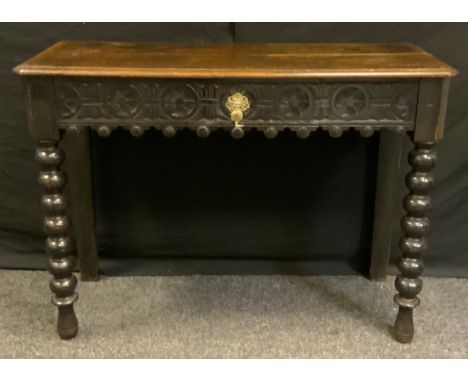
[415,224]
[58,243]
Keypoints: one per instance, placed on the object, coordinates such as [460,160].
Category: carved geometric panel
[350,102]
[123,100]
[94,101]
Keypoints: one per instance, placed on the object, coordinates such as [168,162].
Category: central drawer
[300,105]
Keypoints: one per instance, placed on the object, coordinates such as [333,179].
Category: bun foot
[403,329]
[67,323]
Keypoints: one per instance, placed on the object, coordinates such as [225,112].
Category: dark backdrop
[255,199]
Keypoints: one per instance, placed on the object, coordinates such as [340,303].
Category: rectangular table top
[120,59]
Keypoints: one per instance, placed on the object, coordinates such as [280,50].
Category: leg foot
[403,330]
[67,323]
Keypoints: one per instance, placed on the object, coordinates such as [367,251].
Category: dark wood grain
[118,59]
[39,92]
[432,107]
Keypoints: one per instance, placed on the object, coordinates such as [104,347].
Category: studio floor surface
[231,317]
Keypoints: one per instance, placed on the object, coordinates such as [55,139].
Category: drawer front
[191,103]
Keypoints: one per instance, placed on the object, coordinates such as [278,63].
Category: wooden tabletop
[80,58]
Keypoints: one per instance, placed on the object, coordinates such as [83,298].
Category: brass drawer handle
[237,104]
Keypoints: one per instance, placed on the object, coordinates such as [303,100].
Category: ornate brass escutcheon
[237,104]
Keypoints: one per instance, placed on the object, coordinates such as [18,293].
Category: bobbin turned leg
[58,246]
[415,225]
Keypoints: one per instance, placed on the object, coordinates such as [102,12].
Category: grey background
[309,201]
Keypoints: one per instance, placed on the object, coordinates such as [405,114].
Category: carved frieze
[190,103]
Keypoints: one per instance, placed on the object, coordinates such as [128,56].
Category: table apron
[93,102]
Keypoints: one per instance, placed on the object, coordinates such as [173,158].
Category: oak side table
[74,86]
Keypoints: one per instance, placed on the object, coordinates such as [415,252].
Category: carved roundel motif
[69,101]
[179,101]
[294,101]
[401,105]
[123,101]
[349,101]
